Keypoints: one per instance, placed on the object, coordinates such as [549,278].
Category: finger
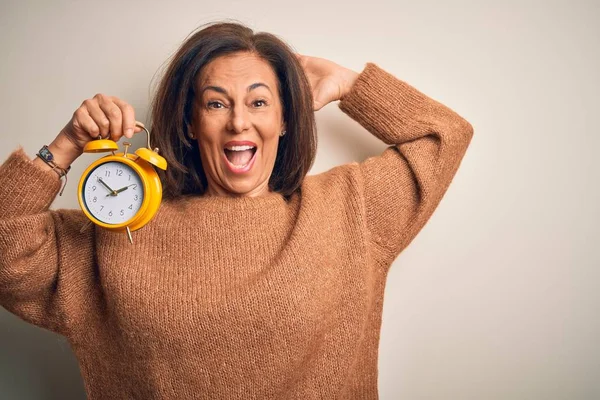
[301,59]
[128,114]
[98,116]
[85,122]
[114,115]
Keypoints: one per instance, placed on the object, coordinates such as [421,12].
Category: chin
[240,188]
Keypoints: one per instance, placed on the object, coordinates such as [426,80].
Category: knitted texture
[236,298]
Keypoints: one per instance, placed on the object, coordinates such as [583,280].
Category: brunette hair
[172,107]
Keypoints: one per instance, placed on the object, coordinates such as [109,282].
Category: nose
[239,120]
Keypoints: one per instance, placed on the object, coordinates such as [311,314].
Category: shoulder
[338,185]
[72,223]
[345,175]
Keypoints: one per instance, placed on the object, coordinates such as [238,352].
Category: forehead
[238,69]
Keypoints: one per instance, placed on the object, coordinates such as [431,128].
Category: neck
[260,190]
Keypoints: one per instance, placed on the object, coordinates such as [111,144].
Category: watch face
[113,192]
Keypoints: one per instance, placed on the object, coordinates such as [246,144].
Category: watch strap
[46,155]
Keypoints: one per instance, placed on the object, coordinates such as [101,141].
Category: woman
[253,280]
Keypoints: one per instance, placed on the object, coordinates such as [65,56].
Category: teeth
[239,148]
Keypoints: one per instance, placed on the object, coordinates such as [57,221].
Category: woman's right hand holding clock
[102,115]
[107,116]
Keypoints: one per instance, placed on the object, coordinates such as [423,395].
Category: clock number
[107,173]
[130,207]
[119,172]
[135,197]
[129,177]
[122,212]
[134,186]
[94,188]
[110,213]
[101,207]
[95,199]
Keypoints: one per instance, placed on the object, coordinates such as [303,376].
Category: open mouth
[240,158]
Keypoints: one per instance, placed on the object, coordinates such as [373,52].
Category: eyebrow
[221,90]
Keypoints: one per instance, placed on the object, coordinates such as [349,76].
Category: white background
[497,297]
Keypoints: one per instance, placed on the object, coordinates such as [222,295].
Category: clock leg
[85,226]
[129,235]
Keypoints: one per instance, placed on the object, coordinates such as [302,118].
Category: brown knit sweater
[236,298]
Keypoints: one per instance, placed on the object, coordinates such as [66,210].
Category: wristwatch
[46,155]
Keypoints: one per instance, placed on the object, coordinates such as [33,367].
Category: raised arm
[41,251]
[46,262]
[403,186]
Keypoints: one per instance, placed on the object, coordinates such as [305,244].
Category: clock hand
[108,187]
[120,190]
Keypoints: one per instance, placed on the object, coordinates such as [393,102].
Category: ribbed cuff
[385,105]
[24,187]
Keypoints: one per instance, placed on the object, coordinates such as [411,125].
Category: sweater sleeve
[41,251]
[402,187]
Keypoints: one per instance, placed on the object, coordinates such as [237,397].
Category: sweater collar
[230,203]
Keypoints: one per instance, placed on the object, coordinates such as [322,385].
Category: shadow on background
[36,364]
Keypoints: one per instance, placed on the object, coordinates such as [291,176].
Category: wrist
[64,151]
[63,154]
[58,156]
[349,80]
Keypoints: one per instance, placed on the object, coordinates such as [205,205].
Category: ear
[190,132]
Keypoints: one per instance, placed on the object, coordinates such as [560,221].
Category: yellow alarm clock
[121,192]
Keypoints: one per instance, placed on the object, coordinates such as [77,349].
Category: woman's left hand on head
[328,80]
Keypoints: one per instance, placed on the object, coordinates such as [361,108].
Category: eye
[214,104]
[260,103]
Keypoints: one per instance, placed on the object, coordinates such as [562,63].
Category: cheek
[211,125]
[270,144]
[269,131]
[209,133]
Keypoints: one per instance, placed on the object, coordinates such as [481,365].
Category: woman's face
[237,122]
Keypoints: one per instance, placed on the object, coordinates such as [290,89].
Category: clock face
[113,192]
